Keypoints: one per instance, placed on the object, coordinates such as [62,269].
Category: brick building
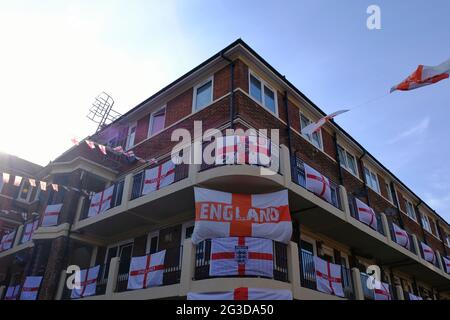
[235,88]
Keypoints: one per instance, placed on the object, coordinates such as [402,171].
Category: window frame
[407,202]
[387,185]
[184,227]
[371,175]
[150,122]
[194,98]
[30,190]
[150,236]
[310,138]
[425,222]
[346,166]
[264,85]
[127,143]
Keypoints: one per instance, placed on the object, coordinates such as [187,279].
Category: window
[152,242]
[371,180]
[389,191]
[157,121]
[448,240]
[203,95]
[410,210]
[1,185]
[316,137]
[347,160]
[124,250]
[425,222]
[25,190]
[262,93]
[187,229]
[131,136]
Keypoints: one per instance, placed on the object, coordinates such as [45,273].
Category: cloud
[418,129]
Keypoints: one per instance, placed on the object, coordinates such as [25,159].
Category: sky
[56,56]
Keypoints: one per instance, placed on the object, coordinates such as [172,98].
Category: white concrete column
[285,164]
[79,208]
[61,285]
[344,202]
[357,284]
[293,268]
[418,249]
[439,259]
[127,188]
[400,293]
[187,267]
[18,237]
[385,223]
[93,256]
[193,170]
[112,276]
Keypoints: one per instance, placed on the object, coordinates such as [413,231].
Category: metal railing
[102,280]
[308,275]
[354,213]
[298,177]
[435,262]
[412,246]
[369,294]
[203,254]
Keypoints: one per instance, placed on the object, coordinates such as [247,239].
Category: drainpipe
[366,190]
[341,180]
[289,132]
[231,89]
[439,230]
[394,197]
[419,217]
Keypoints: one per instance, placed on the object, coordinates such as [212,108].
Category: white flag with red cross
[159,177]
[30,228]
[315,126]
[7,241]
[366,214]
[423,76]
[222,214]
[5,177]
[87,284]
[317,183]
[241,256]
[382,292]
[414,297]
[328,277]
[428,253]
[401,237]
[146,271]
[30,288]
[243,293]
[246,149]
[446,264]
[51,215]
[101,201]
[226,150]
[12,293]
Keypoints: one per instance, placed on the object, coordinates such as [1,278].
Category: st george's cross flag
[243,293]
[101,201]
[414,297]
[30,288]
[328,277]
[12,293]
[401,236]
[159,177]
[7,241]
[241,256]
[428,253]
[245,149]
[146,271]
[446,261]
[87,284]
[315,126]
[423,76]
[30,228]
[51,215]
[366,214]
[382,292]
[317,183]
[222,214]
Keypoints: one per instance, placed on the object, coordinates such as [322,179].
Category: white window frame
[329,252]
[447,238]
[407,202]
[149,239]
[346,166]
[150,123]
[1,185]
[30,190]
[371,174]
[118,245]
[127,144]
[311,241]
[262,103]
[309,138]
[425,222]
[389,191]
[183,229]
[194,99]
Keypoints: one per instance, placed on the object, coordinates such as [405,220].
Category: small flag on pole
[43,185]
[75,141]
[102,149]
[6,177]
[55,187]
[90,144]
[17,181]
[32,182]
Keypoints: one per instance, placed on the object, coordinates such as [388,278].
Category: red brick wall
[142,129]
[179,107]
[328,144]
[241,75]
[221,83]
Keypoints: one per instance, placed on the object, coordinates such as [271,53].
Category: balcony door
[124,250]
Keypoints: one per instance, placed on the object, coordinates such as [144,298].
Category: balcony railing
[298,177]
[369,294]
[102,280]
[308,275]
[203,254]
[115,201]
[412,246]
[435,263]
[354,213]
[172,269]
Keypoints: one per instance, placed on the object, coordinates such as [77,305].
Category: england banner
[317,183]
[222,214]
[146,271]
[101,202]
[446,264]
[12,293]
[243,294]
[247,149]
[159,177]
[241,256]
[7,241]
[30,288]
[414,297]
[51,215]
[383,292]
[328,277]
[30,228]
[428,253]
[366,214]
[87,284]
[401,237]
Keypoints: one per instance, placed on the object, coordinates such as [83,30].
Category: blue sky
[56,56]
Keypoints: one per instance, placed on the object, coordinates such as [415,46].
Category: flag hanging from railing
[428,253]
[222,214]
[30,288]
[414,297]
[328,277]
[51,215]
[382,292]
[446,261]
[366,214]
[158,177]
[317,183]
[87,284]
[241,256]
[401,237]
[101,201]
[12,293]
[146,271]
[243,293]
[7,241]
[29,229]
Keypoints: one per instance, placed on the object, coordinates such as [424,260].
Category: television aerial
[101,111]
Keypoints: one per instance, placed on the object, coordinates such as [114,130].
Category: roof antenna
[101,111]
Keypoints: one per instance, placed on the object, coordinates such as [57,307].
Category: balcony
[355,214]
[369,294]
